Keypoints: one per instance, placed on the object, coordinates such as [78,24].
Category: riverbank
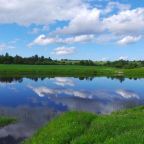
[68,70]
[85,128]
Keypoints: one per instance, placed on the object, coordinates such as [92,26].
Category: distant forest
[36,60]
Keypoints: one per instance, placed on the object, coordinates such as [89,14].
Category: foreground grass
[67,70]
[123,127]
[5,121]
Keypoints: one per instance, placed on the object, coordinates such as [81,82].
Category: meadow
[123,127]
[68,70]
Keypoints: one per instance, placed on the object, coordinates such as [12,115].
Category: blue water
[35,101]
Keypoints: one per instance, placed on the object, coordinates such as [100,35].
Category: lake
[35,101]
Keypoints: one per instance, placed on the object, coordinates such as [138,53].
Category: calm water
[35,101]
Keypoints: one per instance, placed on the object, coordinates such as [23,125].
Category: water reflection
[60,80]
[99,101]
[34,101]
[29,119]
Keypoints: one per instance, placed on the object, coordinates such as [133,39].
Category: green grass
[137,72]
[55,70]
[124,127]
[6,120]
[67,70]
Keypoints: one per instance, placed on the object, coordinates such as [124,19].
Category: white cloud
[111,6]
[60,51]
[43,40]
[78,39]
[129,39]
[129,22]
[87,21]
[127,94]
[28,12]
[84,20]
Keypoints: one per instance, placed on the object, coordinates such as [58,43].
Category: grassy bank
[123,127]
[5,121]
[67,70]
[55,70]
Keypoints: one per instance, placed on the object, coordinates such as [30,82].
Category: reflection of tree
[5,79]
[120,78]
[19,79]
[86,78]
[11,79]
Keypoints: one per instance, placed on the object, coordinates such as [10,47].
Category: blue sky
[78,29]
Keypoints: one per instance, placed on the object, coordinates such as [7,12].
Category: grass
[55,70]
[6,120]
[137,72]
[67,70]
[122,127]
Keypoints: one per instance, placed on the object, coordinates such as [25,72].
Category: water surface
[35,101]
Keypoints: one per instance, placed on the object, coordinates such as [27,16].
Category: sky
[73,29]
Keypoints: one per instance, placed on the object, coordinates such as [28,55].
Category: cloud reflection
[62,81]
[42,91]
[97,101]
[127,94]
[29,120]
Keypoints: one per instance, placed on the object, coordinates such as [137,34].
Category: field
[67,70]
[122,127]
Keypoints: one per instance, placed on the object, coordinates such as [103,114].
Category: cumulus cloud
[126,22]
[43,40]
[111,6]
[84,21]
[28,12]
[127,94]
[60,51]
[78,39]
[87,21]
[129,39]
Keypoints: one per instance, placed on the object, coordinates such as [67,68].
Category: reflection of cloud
[63,81]
[99,95]
[29,120]
[127,94]
[5,84]
[99,101]
[41,91]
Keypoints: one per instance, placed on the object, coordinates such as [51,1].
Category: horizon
[66,59]
[105,30]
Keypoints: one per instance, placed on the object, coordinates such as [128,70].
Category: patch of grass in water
[122,127]
[6,120]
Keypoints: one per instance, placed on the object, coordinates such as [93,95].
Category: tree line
[41,60]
